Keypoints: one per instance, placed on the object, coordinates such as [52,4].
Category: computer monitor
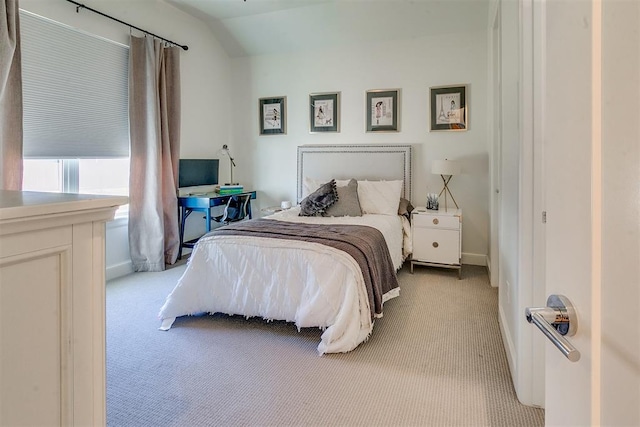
[194,172]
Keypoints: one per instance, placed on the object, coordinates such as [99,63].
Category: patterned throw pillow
[317,202]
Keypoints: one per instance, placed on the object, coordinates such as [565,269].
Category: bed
[330,272]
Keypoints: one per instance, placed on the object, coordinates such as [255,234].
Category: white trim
[509,348]
[495,160]
[119,270]
[474,259]
[538,268]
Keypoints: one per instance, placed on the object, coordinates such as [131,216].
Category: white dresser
[52,308]
[437,238]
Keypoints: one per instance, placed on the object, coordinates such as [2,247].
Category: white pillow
[379,197]
[309,185]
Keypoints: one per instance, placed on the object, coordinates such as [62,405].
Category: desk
[201,203]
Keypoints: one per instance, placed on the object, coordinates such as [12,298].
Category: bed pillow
[318,201]
[348,203]
[309,185]
[379,197]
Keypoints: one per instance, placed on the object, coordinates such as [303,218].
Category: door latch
[557,320]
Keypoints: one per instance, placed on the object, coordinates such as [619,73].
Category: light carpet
[435,359]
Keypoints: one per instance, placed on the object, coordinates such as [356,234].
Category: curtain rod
[81,6]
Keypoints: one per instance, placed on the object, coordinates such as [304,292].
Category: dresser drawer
[436,221]
[437,246]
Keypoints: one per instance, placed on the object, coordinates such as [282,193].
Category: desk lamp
[446,169]
[232,164]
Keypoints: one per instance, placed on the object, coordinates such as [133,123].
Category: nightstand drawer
[438,246]
[436,221]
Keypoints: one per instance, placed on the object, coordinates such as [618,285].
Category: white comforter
[310,284]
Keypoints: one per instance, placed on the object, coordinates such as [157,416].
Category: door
[591,134]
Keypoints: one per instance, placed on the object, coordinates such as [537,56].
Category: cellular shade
[75,92]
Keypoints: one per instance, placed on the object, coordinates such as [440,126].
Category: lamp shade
[445,167]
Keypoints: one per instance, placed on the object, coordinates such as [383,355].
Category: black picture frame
[324,112]
[449,111]
[382,109]
[273,115]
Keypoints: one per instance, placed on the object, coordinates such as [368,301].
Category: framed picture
[383,110]
[449,108]
[273,115]
[324,112]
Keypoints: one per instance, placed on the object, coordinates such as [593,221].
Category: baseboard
[474,259]
[509,348]
[119,270]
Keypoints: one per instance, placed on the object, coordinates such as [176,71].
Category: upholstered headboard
[371,162]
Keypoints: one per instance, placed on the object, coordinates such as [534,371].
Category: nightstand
[437,238]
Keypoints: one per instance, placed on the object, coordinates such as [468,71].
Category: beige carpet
[434,359]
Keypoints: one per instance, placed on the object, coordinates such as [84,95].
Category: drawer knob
[435,221]
[435,244]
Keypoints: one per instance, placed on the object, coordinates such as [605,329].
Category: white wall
[205,76]
[268,163]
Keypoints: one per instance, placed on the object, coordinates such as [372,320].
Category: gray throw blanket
[365,244]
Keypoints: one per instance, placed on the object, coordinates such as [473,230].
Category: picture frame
[382,110]
[273,115]
[448,108]
[324,112]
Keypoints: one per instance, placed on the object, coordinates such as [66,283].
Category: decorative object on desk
[273,112]
[324,112]
[230,189]
[383,110]
[449,108]
[446,169]
[432,201]
[232,164]
[285,204]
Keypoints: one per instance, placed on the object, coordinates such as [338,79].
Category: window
[42,175]
[76,124]
[84,176]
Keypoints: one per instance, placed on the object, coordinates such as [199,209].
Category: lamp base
[445,190]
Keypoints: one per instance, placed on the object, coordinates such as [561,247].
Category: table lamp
[446,169]
[232,164]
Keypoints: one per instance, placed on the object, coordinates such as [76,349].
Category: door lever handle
[555,321]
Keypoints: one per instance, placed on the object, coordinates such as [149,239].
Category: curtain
[154,122]
[10,97]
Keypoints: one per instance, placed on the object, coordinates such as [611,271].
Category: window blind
[75,92]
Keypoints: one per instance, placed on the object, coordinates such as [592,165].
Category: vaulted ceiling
[257,27]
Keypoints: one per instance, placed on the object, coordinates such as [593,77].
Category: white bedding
[307,283]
